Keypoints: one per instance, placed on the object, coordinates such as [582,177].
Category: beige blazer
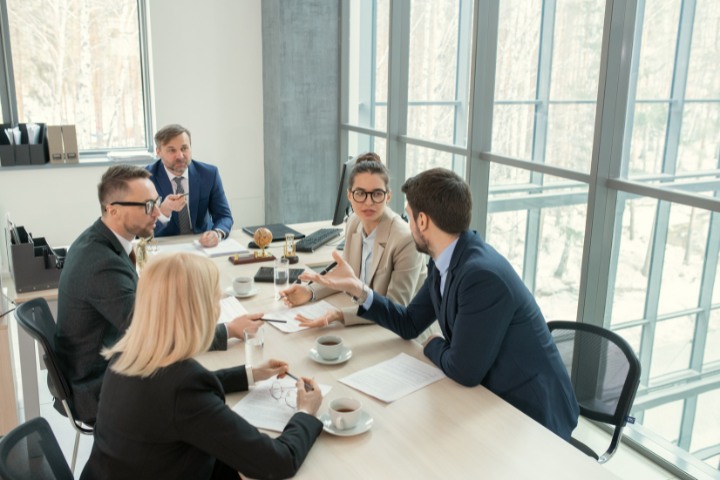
[397,269]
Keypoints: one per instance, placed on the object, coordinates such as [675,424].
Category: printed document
[312,310]
[263,410]
[394,378]
[229,246]
[230,307]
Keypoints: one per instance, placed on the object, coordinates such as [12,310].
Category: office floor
[625,464]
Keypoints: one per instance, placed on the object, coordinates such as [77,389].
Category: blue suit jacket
[209,208]
[495,334]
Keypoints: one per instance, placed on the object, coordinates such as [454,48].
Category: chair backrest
[604,370]
[605,374]
[37,320]
[31,452]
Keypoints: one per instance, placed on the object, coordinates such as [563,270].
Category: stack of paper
[261,410]
[230,308]
[312,310]
[226,247]
[394,378]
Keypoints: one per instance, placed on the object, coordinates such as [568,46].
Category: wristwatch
[220,233]
[359,300]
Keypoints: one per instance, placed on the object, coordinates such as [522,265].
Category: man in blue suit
[493,333]
[193,197]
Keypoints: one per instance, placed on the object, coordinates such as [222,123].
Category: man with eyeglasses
[193,196]
[98,282]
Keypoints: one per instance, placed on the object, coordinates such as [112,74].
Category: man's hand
[209,239]
[321,321]
[269,369]
[173,203]
[341,278]
[237,326]
[296,295]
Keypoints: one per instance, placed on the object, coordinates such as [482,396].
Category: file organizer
[33,263]
[25,153]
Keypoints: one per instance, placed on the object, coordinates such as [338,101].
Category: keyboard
[317,239]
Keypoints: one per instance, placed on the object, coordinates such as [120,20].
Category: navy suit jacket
[495,334]
[209,208]
[175,424]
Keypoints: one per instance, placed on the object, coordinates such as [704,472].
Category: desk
[442,431]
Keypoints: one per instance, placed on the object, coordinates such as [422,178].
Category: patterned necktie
[183,215]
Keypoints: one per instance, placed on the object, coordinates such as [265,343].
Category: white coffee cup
[345,413]
[329,347]
[243,285]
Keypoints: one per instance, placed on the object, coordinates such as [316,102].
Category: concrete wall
[301,75]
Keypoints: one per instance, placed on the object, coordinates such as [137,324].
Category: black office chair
[605,374]
[37,320]
[31,452]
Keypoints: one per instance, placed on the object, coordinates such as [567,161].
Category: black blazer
[175,424]
[95,300]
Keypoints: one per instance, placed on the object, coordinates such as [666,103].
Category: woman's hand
[269,369]
[296,295]
[308,401]
[322,321]
[237,326]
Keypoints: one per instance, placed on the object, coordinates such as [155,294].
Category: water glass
[254,343]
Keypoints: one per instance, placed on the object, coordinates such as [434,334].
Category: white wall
[206,60]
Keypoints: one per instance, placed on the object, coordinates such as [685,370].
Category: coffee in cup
[329,347]
[243,285]
[345,413]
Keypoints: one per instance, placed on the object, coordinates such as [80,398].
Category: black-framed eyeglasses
[150,205]
[377,196]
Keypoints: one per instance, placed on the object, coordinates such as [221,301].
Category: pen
[308,387]
[326,270]
[273,320]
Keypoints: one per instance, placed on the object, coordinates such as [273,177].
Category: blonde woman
[163,415]
[378,246]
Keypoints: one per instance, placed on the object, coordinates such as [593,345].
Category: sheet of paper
[178,247]
[312,310]
[394,378]
[262,410]
[226,247]
[230,307]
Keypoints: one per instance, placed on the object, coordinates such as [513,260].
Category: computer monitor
[342,204]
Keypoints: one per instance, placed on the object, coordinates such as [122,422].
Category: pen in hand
[326,270]
[308,387]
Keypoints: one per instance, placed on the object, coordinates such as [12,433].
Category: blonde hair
[176,309]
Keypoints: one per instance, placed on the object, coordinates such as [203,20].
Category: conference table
[443,430]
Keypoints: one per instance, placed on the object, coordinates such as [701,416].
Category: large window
[80,62]
[601,161]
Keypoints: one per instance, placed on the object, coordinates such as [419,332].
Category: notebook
[278,231]
[266,274]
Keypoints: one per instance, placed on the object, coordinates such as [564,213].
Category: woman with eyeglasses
[378,246]
[163,415]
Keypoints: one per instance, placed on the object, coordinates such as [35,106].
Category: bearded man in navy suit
[493,332]
[193,196]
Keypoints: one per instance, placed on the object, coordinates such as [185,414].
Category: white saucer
[345,355]
[364,424]
[230,292]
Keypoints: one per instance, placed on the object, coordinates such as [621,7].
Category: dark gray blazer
[175,424]
[495,334]
[95,299]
